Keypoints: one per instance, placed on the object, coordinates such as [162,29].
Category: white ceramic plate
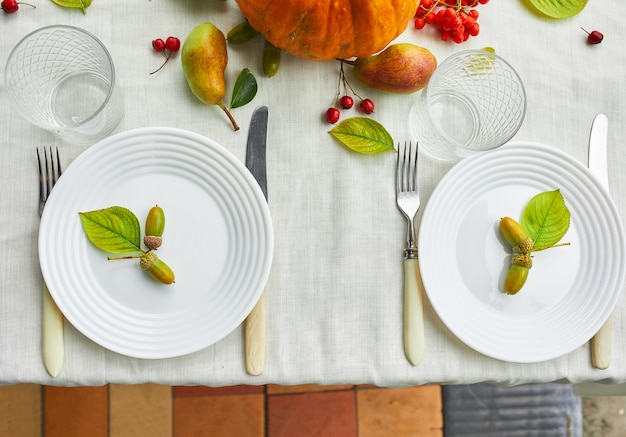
[218,240]
[570,290]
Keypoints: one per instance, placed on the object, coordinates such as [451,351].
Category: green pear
[401,68]
[204,57]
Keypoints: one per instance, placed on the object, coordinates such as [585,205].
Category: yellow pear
[204,58]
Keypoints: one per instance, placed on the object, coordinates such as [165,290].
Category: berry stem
[167,58]
[346,61]
[338,90]
[342,77]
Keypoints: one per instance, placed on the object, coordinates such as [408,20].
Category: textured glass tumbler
[474,102]
[62,79]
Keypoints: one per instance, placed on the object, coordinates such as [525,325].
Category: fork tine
[41,183]
[398,171]
[48,171]
[57,175]
[415,186]
[407,169]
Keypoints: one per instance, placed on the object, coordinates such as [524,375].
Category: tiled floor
[29,410]
[604,416]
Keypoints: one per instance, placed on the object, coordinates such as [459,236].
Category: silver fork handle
[53,344]
[413,312]
[411,249]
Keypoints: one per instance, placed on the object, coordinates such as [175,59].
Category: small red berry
[167,47]
[346,102]
[594,37]
[367,106]
[332,115]
[419,23]
[158,45]
[10,6]
[172,44]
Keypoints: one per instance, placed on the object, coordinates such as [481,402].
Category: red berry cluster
[167,47]
[346,101]
[10,6]
[455,19]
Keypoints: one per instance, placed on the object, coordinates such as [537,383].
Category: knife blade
[598,164]
[255,325]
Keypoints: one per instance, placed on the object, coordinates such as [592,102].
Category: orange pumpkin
[329,29]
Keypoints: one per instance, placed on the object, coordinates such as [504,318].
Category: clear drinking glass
[474,102]
[62,79]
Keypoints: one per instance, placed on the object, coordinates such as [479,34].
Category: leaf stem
[116,258]
[548,247]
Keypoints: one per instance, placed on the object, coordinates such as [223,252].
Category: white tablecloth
[334,296]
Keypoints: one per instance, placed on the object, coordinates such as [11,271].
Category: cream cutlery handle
[53,344]
[601,346]
[255,328]
[413,312]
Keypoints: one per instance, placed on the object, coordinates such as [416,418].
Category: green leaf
[363,135]
[546,219]
[244,90]
[559,8]
[115,229]
[78,4]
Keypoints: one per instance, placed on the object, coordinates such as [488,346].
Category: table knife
[598,164]
[255,325]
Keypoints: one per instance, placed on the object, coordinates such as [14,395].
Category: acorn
[521,262]
[515,279]
[271,59]
[241,33]
[155,224]
[160,271]
[515,235]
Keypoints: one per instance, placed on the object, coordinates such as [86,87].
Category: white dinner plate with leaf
[217,240]
[570,290]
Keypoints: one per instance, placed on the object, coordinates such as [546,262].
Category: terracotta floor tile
[201,390]
[328,414]
[219,416]
[20,410]
[400,412]
[76,411]
[140,410]
[274,389]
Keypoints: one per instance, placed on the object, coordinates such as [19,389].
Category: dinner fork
[52,342]
[408,200]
